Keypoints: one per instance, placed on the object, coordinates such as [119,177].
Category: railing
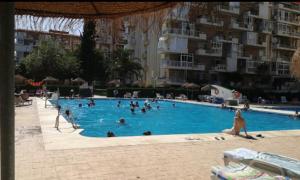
[220,67]
[185,32]
[285,46]
[236,25]
[210,21]
[181,64]
[227,8]
[289,33]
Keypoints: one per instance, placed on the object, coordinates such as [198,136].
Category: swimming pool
[287,108]
[184,118]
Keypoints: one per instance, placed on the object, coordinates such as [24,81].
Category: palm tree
[123,66]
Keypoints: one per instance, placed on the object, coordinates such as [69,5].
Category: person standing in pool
[238,124]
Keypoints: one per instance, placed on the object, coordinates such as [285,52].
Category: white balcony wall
[178,44]
[264,10]
[231,61]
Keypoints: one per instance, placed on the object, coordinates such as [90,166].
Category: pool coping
[68,138]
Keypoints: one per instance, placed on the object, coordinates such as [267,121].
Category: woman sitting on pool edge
[238,123]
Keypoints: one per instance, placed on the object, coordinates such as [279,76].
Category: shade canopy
[208,87]
[88,9]
[190,85]
[78,80]
[19,79]
[50,79]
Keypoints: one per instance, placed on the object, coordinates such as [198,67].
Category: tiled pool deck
[42,152]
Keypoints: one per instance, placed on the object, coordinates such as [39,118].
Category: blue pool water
[184,118]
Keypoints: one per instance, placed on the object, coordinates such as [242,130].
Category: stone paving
[178,160]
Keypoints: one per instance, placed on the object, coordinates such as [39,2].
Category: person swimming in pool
[119,103]
[132,109]
[143,110]
[238,124]
[79,105]
[173,104]
[121,121]
[137,104]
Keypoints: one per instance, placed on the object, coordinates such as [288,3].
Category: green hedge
[100,92]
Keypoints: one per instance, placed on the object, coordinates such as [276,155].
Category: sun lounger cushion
[241,172]
[289,166]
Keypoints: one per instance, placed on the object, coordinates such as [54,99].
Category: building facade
[246,38]
[109,36]
[26,40]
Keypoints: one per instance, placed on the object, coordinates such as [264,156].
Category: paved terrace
[38,158]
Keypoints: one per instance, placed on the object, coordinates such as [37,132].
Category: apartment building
[109,36]
[26,40]
[244,36]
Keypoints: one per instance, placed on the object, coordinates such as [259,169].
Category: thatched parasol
[115,82]
[190,85]
[295,64]
[50,79]
[78,80]
[88,9]
[19,79]
[208,87]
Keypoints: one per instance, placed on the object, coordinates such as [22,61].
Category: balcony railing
[288,33]
[181,65]
[209,21]
[209,52]
[220,68]
[285,47]
[236,25]
[191,33]
[229,9]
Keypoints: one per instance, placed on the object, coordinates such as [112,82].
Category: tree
[49,59]
[87,51]
[123,66]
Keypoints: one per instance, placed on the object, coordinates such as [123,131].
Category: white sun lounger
[241,172]
[265,161]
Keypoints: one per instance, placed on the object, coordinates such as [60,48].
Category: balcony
[209,52]
[285,47]
[289,7]
[184,33]
[280,68]
[209,21]
[220,68]
[230,9]
[256,44]
[245,27]
[287,31]
[171,64]
[266,27]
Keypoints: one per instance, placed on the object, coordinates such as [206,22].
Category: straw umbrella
[138,83]
[50,79]
[78,81]
[295,64]
[190,86]
[19,79]
[115,82]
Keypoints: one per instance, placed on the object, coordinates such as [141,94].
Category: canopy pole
[7,119]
